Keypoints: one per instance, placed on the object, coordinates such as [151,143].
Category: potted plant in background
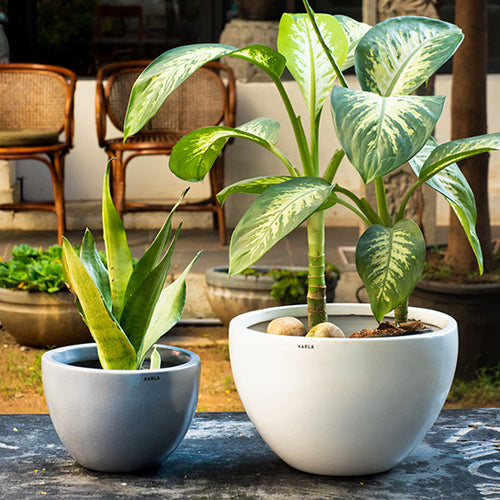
[337,405]
[113,410]
[36,308]
[259,287]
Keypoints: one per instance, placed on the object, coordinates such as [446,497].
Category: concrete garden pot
[340,406]
[42,319]
[120,420]
[231,296]
[474,306]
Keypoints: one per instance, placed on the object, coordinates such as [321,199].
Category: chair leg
[58,189]
[216,184]
[221,223]
[117,181]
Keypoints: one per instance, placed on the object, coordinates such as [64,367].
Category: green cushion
[26,137]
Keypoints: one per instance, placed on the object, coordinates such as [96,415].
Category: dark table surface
[222,456]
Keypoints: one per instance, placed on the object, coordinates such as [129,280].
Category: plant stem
[333,165]
[401,313]
[291,169]
[315,144]
[354,210]
[383,209]
[366,212]
[316,294]
[298,130]
[406,199]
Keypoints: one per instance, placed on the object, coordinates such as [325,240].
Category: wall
[150,178]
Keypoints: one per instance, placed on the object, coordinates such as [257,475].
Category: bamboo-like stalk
[316,293]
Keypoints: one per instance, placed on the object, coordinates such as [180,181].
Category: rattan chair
[206,98]
[36,122]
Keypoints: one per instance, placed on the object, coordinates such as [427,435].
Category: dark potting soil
[94,363]
[388,329]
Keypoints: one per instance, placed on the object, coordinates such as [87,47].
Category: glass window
[84,34]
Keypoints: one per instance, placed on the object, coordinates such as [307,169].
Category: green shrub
[290,286]
[33,269]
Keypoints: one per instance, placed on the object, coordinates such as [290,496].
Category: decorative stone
[287,325]
[326,330]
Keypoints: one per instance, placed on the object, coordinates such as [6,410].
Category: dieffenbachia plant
[124,306]
[380,128]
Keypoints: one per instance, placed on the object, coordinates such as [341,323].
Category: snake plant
[125,307]
[380,127]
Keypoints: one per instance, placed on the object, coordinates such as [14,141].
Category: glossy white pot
[342,406]
[120,420]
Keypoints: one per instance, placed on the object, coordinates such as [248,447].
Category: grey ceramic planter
[42,319]
[120,420]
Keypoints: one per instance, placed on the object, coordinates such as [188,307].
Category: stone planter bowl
[230,297]
[41,319]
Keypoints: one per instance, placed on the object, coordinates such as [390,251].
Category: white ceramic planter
[342,406]
[119,420]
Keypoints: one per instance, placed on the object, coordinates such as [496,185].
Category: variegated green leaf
[267,59]
[331,201]
[257,185]
[113,347]
[167,312]
[379,134]
[434,165]
[354,31]
[172,68]
[265,128]
[453,185]
[275,213]
[140,306]
[117,250]
[390,261]
[305,57]
[453,151]
[97,270]
[195,153]
[398,55]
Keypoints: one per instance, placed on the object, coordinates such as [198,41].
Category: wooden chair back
[36,122]
[207,98]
